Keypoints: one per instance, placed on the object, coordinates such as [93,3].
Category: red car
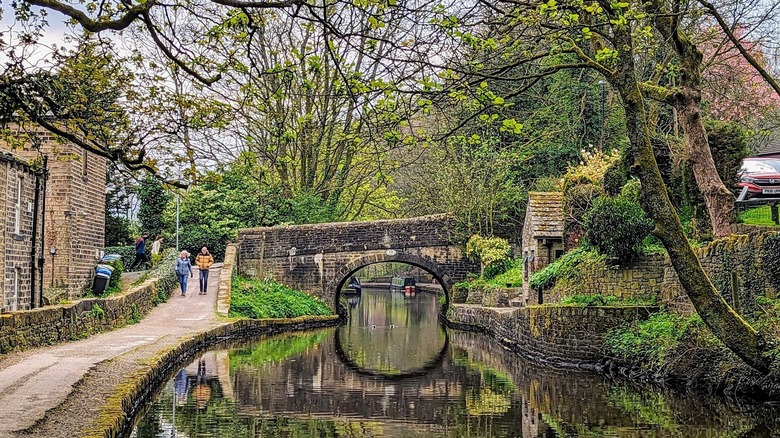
[761,176]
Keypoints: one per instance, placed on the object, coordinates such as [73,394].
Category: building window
[18,216]
[558,254]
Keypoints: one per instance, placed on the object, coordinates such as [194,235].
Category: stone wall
[66,322]
[643,278]
[226,279]
[559,335]
[734,265]
[318,258]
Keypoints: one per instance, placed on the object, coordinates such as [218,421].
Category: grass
[607,300]
[259,299]
[566,267]
[757,216]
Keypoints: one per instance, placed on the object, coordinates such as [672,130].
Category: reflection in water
[392,334]
[295,385]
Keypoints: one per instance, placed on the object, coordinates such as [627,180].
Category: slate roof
[545,214]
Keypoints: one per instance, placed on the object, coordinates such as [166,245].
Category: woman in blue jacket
[183,268]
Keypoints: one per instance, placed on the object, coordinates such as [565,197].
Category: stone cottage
[74,228]
[20,216]
[542,241]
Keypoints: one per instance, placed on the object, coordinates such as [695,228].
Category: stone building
[543,230]
[74,230]
[20,215]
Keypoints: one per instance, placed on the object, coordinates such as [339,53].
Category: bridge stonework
[320,258]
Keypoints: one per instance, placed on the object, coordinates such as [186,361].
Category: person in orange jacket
[204,260]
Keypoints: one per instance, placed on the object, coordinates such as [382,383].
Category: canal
[393,371]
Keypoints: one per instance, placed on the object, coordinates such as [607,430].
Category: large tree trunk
[717,197]
[725,323]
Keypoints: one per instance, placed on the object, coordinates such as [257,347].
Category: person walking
[183,268]
[204,260]
[157,245]
[140,251]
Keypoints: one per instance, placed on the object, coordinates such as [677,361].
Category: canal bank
[90,388]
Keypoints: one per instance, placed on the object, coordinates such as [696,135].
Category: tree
[153,201]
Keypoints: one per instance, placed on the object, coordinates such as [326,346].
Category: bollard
[775,218]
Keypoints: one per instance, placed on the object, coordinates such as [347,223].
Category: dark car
[761,177]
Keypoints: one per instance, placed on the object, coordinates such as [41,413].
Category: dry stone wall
[559,335]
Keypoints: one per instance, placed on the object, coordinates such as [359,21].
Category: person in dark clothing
[140,252]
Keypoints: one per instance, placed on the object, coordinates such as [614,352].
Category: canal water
[393,371]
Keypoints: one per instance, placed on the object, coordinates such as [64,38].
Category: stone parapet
[226,280]
[567,336]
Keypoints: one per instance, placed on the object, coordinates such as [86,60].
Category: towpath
[39,388]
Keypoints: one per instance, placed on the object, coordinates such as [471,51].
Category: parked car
[761,176]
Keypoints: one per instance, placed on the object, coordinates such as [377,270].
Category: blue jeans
[204,279]
[183,283]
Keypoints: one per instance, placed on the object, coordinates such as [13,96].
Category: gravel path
[37,386]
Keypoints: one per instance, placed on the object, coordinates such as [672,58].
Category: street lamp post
[603,101]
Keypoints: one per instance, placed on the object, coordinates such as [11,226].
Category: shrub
[492,252]
[616,227]
[653,342]
[567,267]
[115,282]
[589,300]
[615,178]
[268,299]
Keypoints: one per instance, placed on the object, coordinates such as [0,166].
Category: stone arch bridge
[320,258]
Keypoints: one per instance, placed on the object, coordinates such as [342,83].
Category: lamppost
[53,252]
[603,101]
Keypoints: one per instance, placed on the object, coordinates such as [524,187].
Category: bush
[492,252]
[115,282]
[127,253]
[616,227]
[268,299]
[615,178]
[566,267]
[652,343]
[589,300]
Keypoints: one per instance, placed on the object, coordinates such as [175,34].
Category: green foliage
[115,282]
[98,312]
[135,314]
[617,226]
[566,267]
[154,199]
[615,177]
[653,342]
[512,276]
[268,299]
[729,146]
[757,216]
[127,253]
[590,300]
[117,231]
[492,252]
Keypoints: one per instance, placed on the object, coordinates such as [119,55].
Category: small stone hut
[20,216]
[542,241]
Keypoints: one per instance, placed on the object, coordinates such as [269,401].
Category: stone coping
[226,280]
